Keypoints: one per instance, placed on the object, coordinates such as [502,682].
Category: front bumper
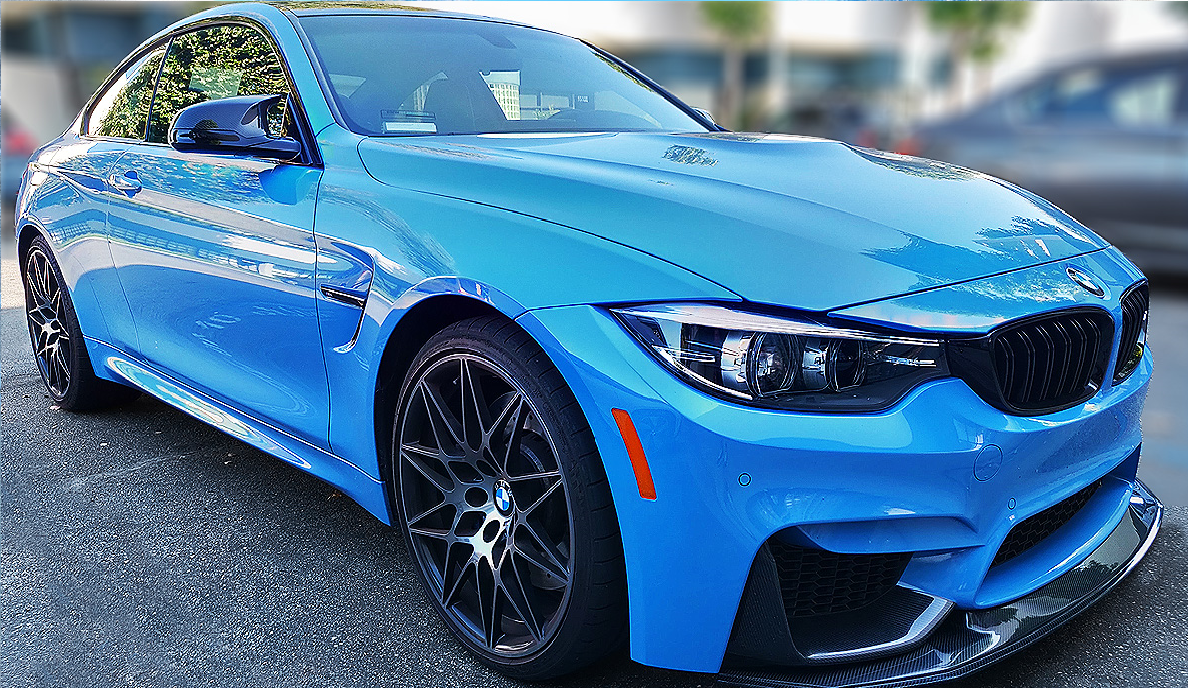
[968,641]
[942,475]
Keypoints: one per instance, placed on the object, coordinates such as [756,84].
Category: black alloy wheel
[44,303]
[484,475]
[57,339]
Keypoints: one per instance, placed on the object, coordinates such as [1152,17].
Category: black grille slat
[1066,344]
[1053,361]
[1027,354]
[814,582]
[1046,353]
[1035,529]
[1079,355]
[1093,344]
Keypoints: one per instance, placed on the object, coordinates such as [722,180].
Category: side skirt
[118,366]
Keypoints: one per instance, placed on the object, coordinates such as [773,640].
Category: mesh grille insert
[1033,530]
[815,582]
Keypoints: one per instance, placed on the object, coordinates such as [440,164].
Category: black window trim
[119,71]
[310,154]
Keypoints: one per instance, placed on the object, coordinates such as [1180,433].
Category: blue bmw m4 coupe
[783,409]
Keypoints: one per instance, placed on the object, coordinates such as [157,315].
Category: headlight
[777,362]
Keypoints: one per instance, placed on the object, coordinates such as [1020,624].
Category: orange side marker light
[639,462]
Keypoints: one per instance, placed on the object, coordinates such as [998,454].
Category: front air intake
[1035,529]
[815,582]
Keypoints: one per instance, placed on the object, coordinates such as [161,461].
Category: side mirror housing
[231,126]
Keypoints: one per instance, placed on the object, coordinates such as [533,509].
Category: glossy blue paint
[901,480]
[809,210]
[981,305]
[128,369]
[213,287]
[66,185]
[215,268]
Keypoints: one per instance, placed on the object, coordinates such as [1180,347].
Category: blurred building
[53,55]
[840,68]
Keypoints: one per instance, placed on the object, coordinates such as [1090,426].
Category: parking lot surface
[143,548]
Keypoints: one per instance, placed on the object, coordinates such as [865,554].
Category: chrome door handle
[127,181]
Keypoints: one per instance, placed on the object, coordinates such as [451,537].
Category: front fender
[421,246]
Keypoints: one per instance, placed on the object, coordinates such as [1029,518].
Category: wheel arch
[424,319]
[29,230]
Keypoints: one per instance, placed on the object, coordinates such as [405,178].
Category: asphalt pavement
[142,548]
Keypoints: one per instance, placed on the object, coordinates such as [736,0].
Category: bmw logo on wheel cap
[503,497]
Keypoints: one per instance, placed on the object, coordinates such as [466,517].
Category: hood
[783,220]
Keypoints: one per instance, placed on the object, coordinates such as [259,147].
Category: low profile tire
[57,339]
[505,505]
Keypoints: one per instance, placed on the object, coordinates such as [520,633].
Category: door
[76,196]
[216,253]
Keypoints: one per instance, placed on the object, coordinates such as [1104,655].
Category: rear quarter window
[122,109]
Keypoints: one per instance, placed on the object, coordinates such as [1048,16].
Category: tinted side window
[1131,98]
[213,63]
[122,110]
[1145,99]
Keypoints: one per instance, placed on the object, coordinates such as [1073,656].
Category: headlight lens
[778,362]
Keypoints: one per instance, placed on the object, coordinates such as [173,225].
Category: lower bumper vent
[804,606]
[1035,529]
[815,582]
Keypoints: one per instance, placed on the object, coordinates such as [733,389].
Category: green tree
[976,32]
[740,24]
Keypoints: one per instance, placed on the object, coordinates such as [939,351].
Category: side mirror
[231,126]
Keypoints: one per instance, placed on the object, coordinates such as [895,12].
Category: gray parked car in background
[1105,140]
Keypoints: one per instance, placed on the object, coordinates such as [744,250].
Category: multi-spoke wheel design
[57,339]
[485,504]
[45,307]
[504,502]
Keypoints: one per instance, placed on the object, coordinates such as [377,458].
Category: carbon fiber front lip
[968,642]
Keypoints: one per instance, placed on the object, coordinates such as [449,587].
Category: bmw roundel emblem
[1087,281]
[503,497]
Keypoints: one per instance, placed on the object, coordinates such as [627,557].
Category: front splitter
[969,641]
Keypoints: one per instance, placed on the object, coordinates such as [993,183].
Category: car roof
[307,8]
[1171,55]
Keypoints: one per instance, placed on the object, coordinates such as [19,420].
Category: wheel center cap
[503,497]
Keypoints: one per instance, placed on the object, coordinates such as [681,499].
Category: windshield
[402,76]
